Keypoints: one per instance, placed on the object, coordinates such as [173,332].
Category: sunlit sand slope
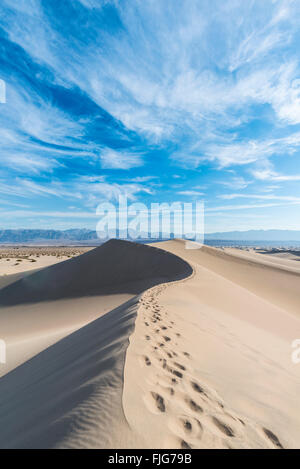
[187,349]
[215,358]
[69,395]
[37,309]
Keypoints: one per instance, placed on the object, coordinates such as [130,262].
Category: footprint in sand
[197,388]
[273,438]
[166,381]
[169,390]
[223,427]
[147,361]
[155,402]
[185,445]
[174,372]
[163,362]
[165,388]
[186,427]
[192,405]
[175,442]
[181,367]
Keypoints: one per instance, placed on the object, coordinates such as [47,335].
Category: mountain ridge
[86,236]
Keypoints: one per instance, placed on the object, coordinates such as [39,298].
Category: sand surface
[15,260]
[286,254]
[133,346]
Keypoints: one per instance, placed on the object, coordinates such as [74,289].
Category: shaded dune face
[115,267]
[70,395]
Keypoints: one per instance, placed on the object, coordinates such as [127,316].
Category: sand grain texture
[69,394]
[153,347]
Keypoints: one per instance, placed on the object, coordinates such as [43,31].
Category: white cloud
[27,188]
[286,198]
[95,193]
[150,86]
[180,74]
[111,159]
[191,193]
[85,191]
[225,208]
[141,179]
[244,153]
[236,182]
[270,175]
[260,39]
[52,214]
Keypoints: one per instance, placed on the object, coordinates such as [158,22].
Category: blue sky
[161,100]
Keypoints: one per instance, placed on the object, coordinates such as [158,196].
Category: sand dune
[138,346]
[39,308]
[281,254]
[216,357]
[114,267]
[70,394]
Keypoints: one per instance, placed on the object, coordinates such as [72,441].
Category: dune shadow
[71,391]
[116,267]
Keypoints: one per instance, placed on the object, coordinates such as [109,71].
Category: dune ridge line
[70,394]
[180,401]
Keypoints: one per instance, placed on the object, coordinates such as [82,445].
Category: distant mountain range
[74,236]
[89,237]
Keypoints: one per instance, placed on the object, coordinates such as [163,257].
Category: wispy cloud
[230,208]
[270,175]
[236,182]
[191,193]
[286,198]
[111,159]
[90,191]
[101,90]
